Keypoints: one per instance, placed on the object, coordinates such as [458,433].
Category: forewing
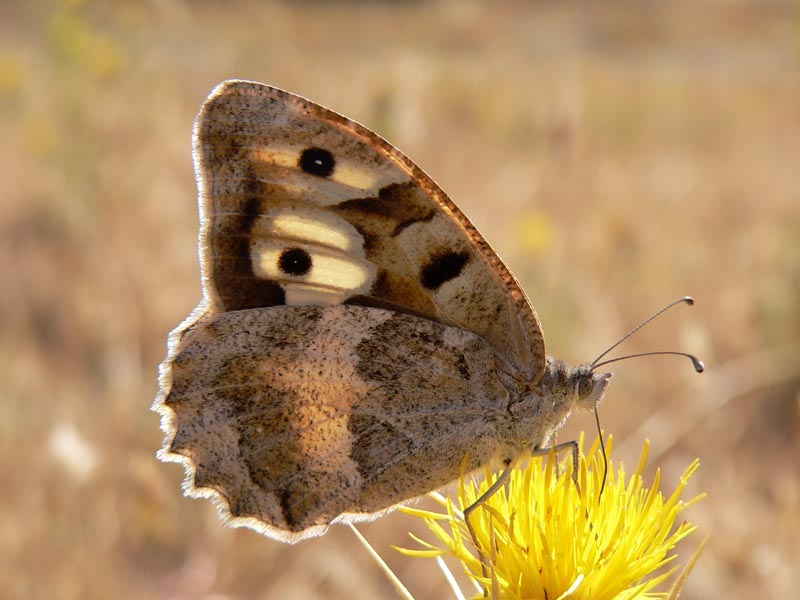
[295,417]
[302,206]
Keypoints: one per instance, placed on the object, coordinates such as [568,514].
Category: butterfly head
[542,410]
[588,386]
[574,387]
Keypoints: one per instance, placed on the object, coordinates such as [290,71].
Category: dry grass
[616,155]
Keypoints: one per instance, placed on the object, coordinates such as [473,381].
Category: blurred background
[617,155]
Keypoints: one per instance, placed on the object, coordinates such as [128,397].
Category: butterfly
[357,339]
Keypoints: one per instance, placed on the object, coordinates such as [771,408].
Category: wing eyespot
[295,261]
[317,161]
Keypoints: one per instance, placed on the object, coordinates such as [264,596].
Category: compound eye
[585,387]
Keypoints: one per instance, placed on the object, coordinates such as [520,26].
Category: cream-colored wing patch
[354,179]
[316,256]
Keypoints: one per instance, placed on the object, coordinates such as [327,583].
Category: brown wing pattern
[302,206]
[299,416]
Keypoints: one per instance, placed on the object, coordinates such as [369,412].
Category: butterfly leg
[501,481]
[572,445]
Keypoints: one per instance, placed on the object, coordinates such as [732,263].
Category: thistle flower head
[545,537]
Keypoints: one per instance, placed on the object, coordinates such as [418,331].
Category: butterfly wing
[302,206]
[343,358]
[294,417]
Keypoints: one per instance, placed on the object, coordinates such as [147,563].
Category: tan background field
[617,155]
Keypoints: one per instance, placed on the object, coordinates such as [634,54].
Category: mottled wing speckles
[284,412]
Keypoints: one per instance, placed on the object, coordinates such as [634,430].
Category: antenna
[698,364]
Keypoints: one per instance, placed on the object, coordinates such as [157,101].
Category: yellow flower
[543,537]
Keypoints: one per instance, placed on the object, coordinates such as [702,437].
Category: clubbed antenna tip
[696,362]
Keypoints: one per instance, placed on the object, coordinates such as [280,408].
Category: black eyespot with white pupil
[317,161]
[294,261]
